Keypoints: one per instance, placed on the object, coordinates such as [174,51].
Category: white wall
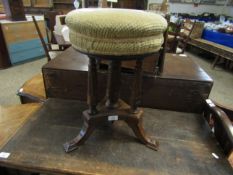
[231,12]
[189,8]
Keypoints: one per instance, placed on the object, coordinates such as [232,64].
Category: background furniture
[35,146]
[218,38]
[37,6]
[50,20]
[158,6]
[63,6]
[186,29]
[14,10]
[172,38]
[22,45]
[182,80]
[1,7]
[33,89]
[220,51]
[4,54]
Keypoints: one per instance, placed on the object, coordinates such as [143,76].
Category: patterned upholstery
[115,31]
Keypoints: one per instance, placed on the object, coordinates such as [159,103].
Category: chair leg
[217,58]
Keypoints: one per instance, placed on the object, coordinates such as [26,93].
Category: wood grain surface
[186,145]
[12,119]
[182,86]
[33,89]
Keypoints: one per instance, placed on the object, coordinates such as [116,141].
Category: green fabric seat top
[116,32]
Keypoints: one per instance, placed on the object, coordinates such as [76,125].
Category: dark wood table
[186,144]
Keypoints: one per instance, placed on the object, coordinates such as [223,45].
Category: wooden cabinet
[42,3]
[38,3]
[131,4]
[14,9]
[37,6]
[20,42]
[63,6]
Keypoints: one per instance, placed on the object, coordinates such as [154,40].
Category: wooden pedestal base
[112,108]
[133,119]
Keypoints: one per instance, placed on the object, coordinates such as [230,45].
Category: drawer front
[26,55]
[22,31]
[24,45]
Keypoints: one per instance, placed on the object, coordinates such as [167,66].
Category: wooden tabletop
[34,88]
[186,145]
[13,118]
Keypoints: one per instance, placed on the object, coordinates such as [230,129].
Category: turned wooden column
[92,86]
[137,86]
[114,83]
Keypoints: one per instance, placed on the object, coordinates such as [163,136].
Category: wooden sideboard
[19,42]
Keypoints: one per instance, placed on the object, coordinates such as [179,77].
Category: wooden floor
[186,145]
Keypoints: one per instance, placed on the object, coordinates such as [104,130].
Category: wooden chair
[173,34]
[49,18]
[158,5]
[184,35]
[33,89]
[48,46]
[62,44]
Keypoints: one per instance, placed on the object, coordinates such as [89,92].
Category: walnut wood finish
[181,87]
[41,39]
[113,84]
[186,144]
[12,118]
[4,55]
[223,128]
[92,85]
[14,10]
[185,33]
[32,90]
[111,105]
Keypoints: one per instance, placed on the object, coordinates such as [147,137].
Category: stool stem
[137,89]
[114,83]
[92,86]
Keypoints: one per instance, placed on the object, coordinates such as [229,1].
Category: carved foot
[139,131]
[84,134]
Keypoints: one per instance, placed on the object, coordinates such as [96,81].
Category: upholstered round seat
[116,32]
